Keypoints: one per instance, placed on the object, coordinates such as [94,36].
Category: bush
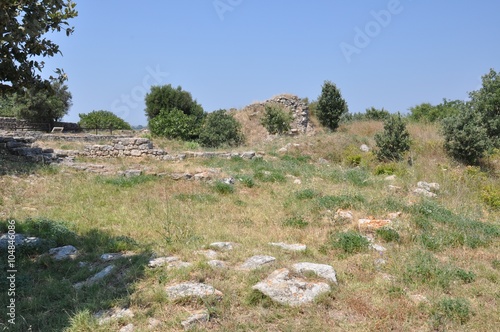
[350,242]
[276,119]
[101,120]
[296,222]
[331,106]
[394,141]
[457,310]
[166,98]
[374,114]
[428,113]
[388,234]
[219,129]
[175,124]
[465,137]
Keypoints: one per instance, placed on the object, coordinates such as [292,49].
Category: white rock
[196,318]
[217,264]
[321,270]
[210,254]
[105,316]
[153,323]
[95,278]
[390,178]
[343,214]
[61,253]
[222,245]
[256,262]
[297,181]
[290,291]
[378,248]
[190,289]
[110,257]
[171,262]
[424,192]
[364,148]
[433,187]
[290,247]
[128,328]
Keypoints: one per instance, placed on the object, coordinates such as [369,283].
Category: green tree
[102,120]
[465,136]
[219,129]
[24,26]
[8,105]
[486,101]
[331,106]
[276,119]
[42,104]
[175,124]
[168,98]
[375,114]
[394,141]
[426,112]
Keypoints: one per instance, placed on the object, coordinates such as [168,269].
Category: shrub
[331,106]
[166,98]
[375,114]
[175,124]
[296,222]
[388,234]
[306,194]
[223,188]
[276,119]
[457,310]
[428,113]
[220,128]
[350,242]
[465,137]
[491,196]
[394,141]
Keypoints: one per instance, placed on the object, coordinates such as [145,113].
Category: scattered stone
[132,172]
[380,262]
[195,319]
[210,254]
[181,176]
[217,264]
[153,323]
[372,223]
[394,188]
[95,278]
[105,316]
[432,187]
[171,262]
[128,328]
[222,245]
[190,289]
[256,262]
[248,155]
[283,150]
[110,257]
[62,253]
[290,247]
[417,298]
[390,178]
[321,270]
[282,288]
[343,214]
[364,148]
[323,161]
[378,248]
[229,181]
[388,277]
[297,181]
[423,192]
[394,215]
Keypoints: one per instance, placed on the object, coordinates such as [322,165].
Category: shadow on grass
[18,165]
[45,298]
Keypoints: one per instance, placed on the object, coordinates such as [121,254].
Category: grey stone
[378,248]
[190,289]
[62,253]
[195,319]
[223,245]
[95,278]
[256,262]
[210,254]
[110,257]
[424,192]
[390,178]
[248,155]
[105,316]
[20,240]
[217,264]
[282,288]
[132,172]
[321,270]
[229,181]
[432,187]
[364,148]
[153,323]
[128,328]
[290,247]
[170,262]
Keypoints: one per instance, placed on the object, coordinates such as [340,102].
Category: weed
[388,234]
[491,196]
[306,194]
[350,242]
[358,177]
[270,176]
[340,202]
[223,188]
[296,222]
[126,182]
[246,180]
[198,198]
[256,298]
[455,310]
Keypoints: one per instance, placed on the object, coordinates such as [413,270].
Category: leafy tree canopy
[331,106]
[167,98]
[102,120]
[23,26]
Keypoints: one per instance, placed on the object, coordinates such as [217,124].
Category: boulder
[62,253]
[321,270]
[289,247]
[191,290]
[256,262]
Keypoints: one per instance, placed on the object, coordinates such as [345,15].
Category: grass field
[442,264]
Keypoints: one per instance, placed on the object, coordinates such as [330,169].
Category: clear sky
[229,53]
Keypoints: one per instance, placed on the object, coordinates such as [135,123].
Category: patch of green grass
[246,180]
[270,176]
[349,242]
[451,310]
[256,298]
[296,222]
[388,234]
[491,197]
[345,201]
[126,182]
[358,177]
[423,268]
[223,188]
[306,194]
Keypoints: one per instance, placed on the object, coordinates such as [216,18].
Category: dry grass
[180,217]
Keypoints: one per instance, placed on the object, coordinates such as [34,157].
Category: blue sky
[229,53]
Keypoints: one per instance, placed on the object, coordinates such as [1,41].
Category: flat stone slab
[222,245]
[171,262]
[113,256]
[282,288]
[424,192]
[256,262]
[217,264]
[19,240]
[62,253]
[195,319]
[95,278]
[378,248]
[105,316]
[321,270]
[289,247]
[433,187]
[210,254]
[191,289]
